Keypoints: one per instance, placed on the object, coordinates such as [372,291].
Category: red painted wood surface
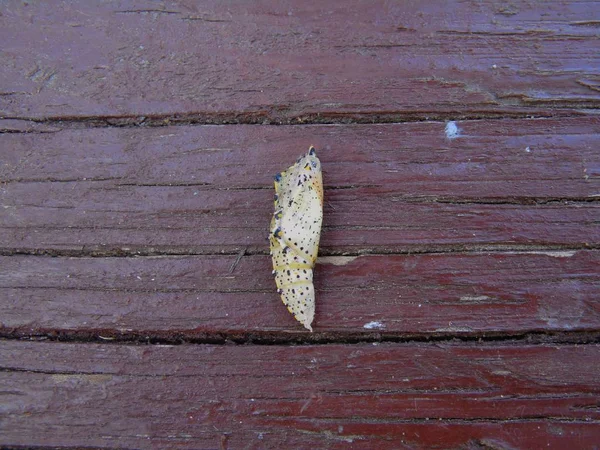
[388,187]
[338,396]
[541,158]
[458,285]
[313,60]
[431,294]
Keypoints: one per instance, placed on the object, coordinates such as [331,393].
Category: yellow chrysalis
[295,234]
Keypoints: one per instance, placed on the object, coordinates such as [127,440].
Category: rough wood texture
[389,188]
[310,60]
[542,158]
[409,294]
[462,238]
[100,219]
[372,397]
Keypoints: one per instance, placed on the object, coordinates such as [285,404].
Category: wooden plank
[386,396]
[388,187]
[99,218]
[542,158]
[502,212]
[196,296]
[314,60]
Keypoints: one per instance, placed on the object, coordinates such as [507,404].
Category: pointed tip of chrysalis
[312,151]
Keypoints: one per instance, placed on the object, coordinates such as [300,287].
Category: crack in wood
[62,447]
[497,200]
[163,251]
[146,11]
[321,118]
[236,337]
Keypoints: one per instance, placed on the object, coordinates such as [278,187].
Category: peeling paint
[336,260]
[332,436]
[452,130]
[90,378]
[552,253]
[453,330]
[475,298]
[374,325]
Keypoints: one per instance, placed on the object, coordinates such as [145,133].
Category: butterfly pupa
[295,233]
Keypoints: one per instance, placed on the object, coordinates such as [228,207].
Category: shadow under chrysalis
[295,233]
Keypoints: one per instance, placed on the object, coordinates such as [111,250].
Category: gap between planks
[557,250]
[267,338]
[58,123]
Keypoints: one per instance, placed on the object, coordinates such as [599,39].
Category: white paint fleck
[374,325]
[453,330]
[527,149]
[494,66]
[452,130]
[336,260]
[552,253]
[474,298]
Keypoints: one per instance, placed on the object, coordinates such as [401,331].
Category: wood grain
[310,61]
[389,188]
[386,396]
[545,158]
[412,295]
[138,143]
